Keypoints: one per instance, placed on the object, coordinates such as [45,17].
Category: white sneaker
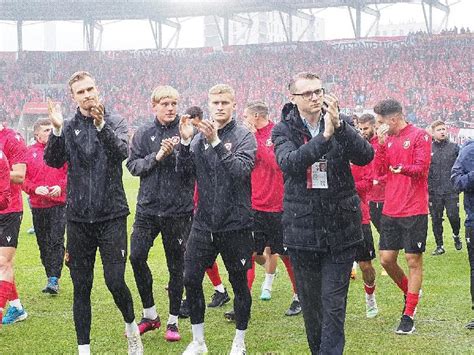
[371,306]
[135,346]
[196,348]
[238,349]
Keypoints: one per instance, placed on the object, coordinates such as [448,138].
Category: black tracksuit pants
[50,225]
[437,205]
[470,253]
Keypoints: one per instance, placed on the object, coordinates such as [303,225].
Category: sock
[295,297]
[412,301]
[131,329]
[16,303]
[289,270]
[239,336]
[268,283]
[150,313]
[5,291]
[84,349]
[198,332]
[220,288]
[369,290]
[251,274]
[173,319]
[403,285]
[213,274]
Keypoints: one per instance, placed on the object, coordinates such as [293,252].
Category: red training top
[4,182]
[14,148]
[377,193]
[40,174]
[406,193]
[363,181]
[267,178]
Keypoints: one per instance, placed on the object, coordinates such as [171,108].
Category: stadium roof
[67,10]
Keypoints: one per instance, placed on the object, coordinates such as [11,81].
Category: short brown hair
[42,121]
[258,107]
[222,89]
[301,75]
[79,75]
[388,107]
[367,117]
[437,123]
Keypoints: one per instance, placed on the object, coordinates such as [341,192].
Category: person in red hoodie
[5,194]
[267,206]
[363,178]
[13,146]
[46,187]
[404,154]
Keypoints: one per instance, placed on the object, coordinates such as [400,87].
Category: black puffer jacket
[163,192]
[94,178]
[319,219]
[443,156]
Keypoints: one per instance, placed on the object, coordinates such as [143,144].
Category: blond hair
[77,76]
[222,89]
[164,92]
[258,107]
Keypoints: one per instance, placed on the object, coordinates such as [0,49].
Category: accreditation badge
[317,175]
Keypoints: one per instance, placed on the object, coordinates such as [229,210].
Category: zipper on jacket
[90,180]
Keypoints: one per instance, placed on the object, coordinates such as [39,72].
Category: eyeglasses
[308,95]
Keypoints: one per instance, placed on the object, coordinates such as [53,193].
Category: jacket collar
[172,124]
[228,127]
[291,115]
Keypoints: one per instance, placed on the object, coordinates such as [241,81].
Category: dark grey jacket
[223,178]
[319,219]
[163,191]
[443,156]
[94,178]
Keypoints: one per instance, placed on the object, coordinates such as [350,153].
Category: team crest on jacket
[77,131]
[269,143]
[175,140]
[406,144]
[389,144]
[228,146]
[426,137]
[152,138]
[1,155]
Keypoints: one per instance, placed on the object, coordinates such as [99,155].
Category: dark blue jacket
[462,176]
[319,219]
[163,191]
[94,178]
[223,178]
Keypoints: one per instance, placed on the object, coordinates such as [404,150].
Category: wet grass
[442,314]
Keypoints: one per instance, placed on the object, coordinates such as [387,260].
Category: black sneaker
[407,326]
[218,299]
[438,251]
[295,308]
[184,310]
[457,242]
[230,315]
[470,325]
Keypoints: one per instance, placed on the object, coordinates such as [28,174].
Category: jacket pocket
[346,226]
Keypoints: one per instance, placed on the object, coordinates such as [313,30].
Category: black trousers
[322,281]
[375,209]
[470,253]
[83,239]
[437,205]
[236,249]
[174,234]
[50,225]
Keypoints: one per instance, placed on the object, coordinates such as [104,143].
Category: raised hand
[209,130]
[55,115]
[186,130]
[166,149]
[382,133]
[97,113]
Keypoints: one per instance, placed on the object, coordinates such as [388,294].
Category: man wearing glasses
[322,220]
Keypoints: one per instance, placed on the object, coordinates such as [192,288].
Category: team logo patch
[406,144]
[243,261]
[468,240]
[389,144]
[419,244]
[228,146]
[269,142]
[371,253]
[8,238]
[123,253]
[152,138]
[35,155]
[285,248]
[426,137]
[175,140]
[180,241]
[18,137]
[206,146]
[77,131]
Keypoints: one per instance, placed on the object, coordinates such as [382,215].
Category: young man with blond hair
[164,205]
[221,156]
[94,143]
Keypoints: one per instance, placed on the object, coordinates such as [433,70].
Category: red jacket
[40,174]
[363,178]
[14,148]
[267,178]
[4,182]
[377,193]
[406,194]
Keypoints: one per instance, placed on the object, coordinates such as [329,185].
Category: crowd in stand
[430,75]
